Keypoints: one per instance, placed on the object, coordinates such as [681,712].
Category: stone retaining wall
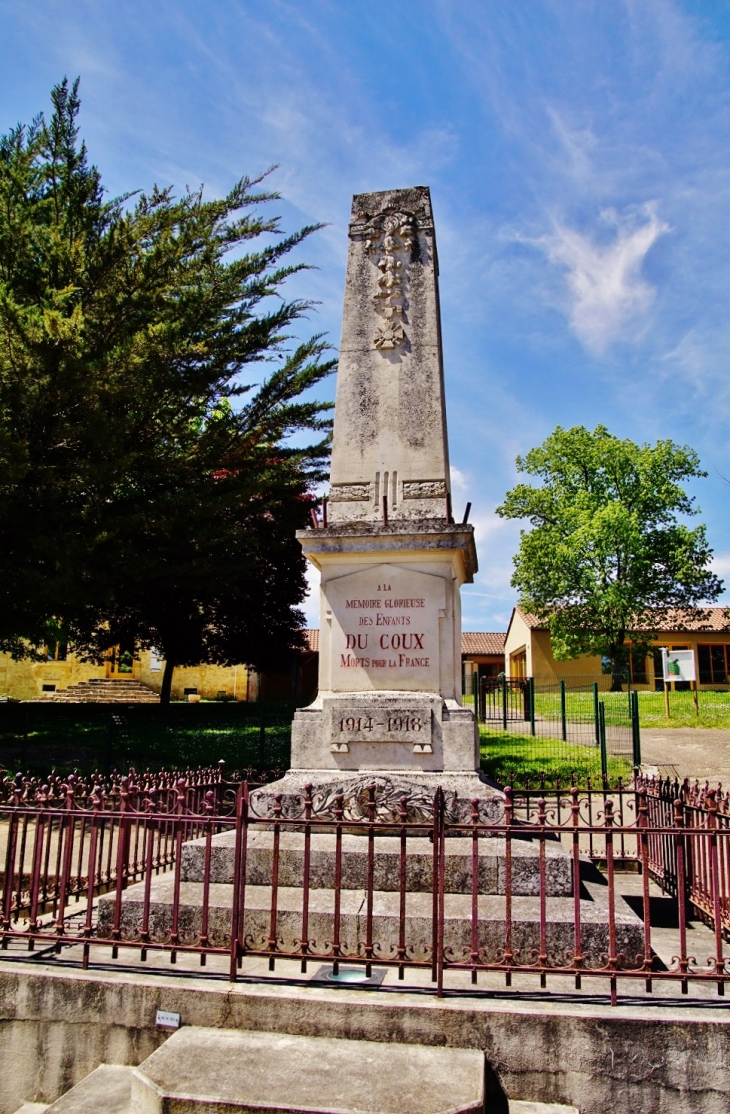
[56,1027]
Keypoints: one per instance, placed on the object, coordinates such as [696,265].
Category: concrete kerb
[56,1027]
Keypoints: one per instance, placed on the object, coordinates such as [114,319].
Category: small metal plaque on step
[167,1020]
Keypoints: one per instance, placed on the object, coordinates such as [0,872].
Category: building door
[120,662]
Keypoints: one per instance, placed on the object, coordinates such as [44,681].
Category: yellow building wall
[518,639]
[545,665]
[24,680]
[211,681]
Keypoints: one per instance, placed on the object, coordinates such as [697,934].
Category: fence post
[596,724]
[563,726]
[504,703]
[109,756]
[531,698]
[635,728]
[602,737]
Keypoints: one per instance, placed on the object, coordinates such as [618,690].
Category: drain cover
[348,976]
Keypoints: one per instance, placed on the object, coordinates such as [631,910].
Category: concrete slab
[32,1108]
[107,1089]
[222,1071]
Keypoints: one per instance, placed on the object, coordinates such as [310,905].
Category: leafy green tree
[607,558]
[147,489]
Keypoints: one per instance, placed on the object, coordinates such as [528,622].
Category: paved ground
[694,752]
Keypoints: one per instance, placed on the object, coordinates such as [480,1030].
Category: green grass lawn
[504,754]
[714,708]
[67,737]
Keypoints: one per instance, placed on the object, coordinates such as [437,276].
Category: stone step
[514,1106]
[225,1071]
[103,690]
[517,1107]
[419,863]
[107,1089]
[353,912]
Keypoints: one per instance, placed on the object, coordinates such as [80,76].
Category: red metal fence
[188,863]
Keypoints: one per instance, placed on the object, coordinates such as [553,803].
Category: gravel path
[694,752]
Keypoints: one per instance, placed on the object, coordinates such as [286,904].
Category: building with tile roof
[705,631]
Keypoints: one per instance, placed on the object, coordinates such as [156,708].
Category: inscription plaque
[390,719]
[385,630]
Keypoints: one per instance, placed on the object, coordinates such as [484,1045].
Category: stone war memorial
[392,559]
[381,930]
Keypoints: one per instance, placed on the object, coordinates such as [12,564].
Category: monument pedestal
[389,709]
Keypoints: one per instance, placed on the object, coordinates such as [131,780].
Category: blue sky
[578,158]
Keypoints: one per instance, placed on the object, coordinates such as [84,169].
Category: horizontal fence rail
[369,879]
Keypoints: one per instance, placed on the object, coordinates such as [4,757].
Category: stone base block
[525,934]
[405,731]
[419,863]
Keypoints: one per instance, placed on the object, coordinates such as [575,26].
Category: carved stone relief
[424,489]
[388,240]
[350,493]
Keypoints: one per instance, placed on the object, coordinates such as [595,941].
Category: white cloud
[605,284]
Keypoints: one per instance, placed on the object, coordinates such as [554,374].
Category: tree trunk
[617,678]
[166,689]
[619,661]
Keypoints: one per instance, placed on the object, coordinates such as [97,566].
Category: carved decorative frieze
[424,489]
[350,493]
[382,798]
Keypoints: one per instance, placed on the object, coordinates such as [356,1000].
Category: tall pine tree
[147,491]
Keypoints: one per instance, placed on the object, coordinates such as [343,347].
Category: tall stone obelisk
[391,558]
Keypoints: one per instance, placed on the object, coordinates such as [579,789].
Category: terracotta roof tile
[311,637]
[483,642]
[674,621]
[531,621]
[694,619]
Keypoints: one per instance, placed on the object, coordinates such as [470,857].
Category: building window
[56,651]
[637,665]
[713,662]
